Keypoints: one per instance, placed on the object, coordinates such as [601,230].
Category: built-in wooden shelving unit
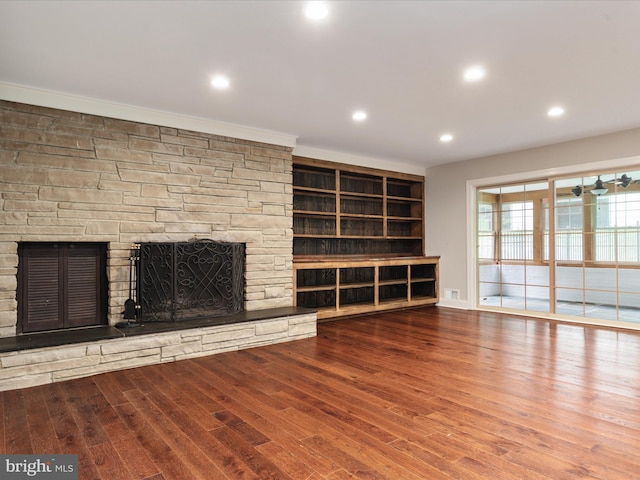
[359,239]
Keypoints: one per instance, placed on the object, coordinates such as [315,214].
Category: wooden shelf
[355,206]
[332,286]
[358,239]
[356,285]
[313,190]
[316,288]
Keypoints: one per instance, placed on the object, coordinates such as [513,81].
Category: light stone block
[7,330]
[215,348]
[133,128]
[194,334]
[154,191]
[93,349]
[259,176]
[209,157]
[105,367]
[103,228]
[13,218]
[139,343]
[80,195]
[188,168]
[268,197]
[123,154]
[259,221]
[303,329]
[131,354]
[258,164]
[136,143]
[225,336]
[182,140]
[272,327]
[31,357]
[74,179]
[26,382]
[36,369]
[181,350]
[277,210]
[187,227]
[274,292]
[8,282]
[271,153]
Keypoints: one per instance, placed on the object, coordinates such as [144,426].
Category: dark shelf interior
[356,247]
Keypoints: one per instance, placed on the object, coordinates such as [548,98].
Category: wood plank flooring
[431,393]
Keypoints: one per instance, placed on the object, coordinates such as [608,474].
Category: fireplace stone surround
[68,176]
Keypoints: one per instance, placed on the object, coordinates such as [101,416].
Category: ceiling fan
[599,188]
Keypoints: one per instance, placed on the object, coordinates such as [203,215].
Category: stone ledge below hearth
[120,349]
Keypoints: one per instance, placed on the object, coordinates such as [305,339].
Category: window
[568,227]
[516,233]
[61,285]
[617,231]
[486,232]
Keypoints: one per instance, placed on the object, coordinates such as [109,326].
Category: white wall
[446,219]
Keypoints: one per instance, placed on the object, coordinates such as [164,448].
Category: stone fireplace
[72,177]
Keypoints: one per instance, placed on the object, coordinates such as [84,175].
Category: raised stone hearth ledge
[29,364]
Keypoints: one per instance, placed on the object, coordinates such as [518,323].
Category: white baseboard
[454,303]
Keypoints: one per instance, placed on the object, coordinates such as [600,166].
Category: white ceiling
[401,61]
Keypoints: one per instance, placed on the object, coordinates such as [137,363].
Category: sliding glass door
[597,260]
[511,271]
[569,246]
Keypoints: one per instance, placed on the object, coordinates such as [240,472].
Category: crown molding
[362,161]
[63,101]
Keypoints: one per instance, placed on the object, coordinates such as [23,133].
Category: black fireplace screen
[190,280]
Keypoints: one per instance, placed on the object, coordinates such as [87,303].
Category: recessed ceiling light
[555,112]
[220,82]
[446,137]
[316,11]
[359,115]
[475,73]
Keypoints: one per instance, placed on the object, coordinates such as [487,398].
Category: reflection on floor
[587,310]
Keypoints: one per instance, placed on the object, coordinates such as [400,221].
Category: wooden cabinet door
[61,285]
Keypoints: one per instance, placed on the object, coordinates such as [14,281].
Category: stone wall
[67,176]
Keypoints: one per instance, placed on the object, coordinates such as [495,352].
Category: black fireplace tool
[130,305]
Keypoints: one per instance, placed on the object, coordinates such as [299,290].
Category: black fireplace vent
[190,280]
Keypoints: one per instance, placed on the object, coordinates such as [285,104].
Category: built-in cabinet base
[346,287]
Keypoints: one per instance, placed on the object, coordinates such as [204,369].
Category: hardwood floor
[430,393]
